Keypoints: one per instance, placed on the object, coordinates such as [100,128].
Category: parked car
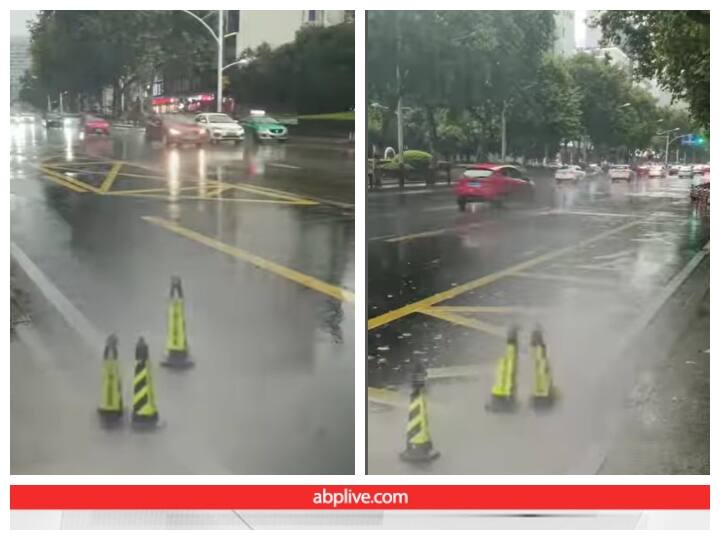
[657,171]
[572,173]
[494,183]
[263,127]
[94,124]
[673,169]
[221,127]
[175,129]
[621,172]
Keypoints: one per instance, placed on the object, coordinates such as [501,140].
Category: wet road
[585,263]
[263,241]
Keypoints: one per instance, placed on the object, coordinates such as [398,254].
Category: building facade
[564,33]
[20,62]
[593,34]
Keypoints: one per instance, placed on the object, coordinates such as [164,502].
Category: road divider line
[424,234]
[465,321]
[414,307]
[284,166]
[264,264]
[309,197]
[485,309]
[111,176]
[567,279]
[72,315]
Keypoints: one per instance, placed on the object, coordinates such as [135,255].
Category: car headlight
[173,131]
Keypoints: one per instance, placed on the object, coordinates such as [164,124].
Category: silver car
[221,127]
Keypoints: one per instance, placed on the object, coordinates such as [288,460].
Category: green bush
[415,160]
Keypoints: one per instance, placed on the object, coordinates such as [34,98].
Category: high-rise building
[593,32]
[19,63]
[564,33]
[279,27]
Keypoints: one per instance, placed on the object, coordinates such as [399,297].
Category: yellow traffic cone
[419,446]
[144,409]
[503,391]
[176,345]
[111,402]
[542,381]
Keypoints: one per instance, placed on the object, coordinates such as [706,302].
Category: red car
[175,129]
[92,124]
[492,183]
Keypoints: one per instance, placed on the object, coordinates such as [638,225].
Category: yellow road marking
[414,307]
[289,274]
[64,180]
[110,178]
[465,321]
[63,164]
[59,180]
[149,190]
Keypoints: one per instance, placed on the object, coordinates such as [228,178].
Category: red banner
[360,497]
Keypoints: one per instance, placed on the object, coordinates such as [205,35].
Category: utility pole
[398,82]
[220,40]
[503,132]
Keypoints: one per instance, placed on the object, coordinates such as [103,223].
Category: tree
[670,46]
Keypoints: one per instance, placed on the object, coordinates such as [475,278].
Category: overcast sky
[18,22]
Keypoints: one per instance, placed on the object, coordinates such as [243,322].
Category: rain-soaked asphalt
[585,263]
[262,239]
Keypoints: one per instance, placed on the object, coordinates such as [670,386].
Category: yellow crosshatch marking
[212,190]
[425,305]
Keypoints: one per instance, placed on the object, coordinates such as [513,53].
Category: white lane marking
[285,166]
[587,213]
[92,337]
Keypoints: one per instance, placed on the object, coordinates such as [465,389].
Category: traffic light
[699,140]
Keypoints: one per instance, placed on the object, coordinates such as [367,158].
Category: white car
[221,127]
[621,172]
[657,171]
[685,171]
[571,173]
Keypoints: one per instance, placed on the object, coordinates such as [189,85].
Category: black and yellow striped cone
[144,409]
[111,402]
[419,446]
[176,346]
[542,381]
[502,395]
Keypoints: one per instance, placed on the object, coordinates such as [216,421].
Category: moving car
[621,172]
[494,183]
[657,171]
[93,124]
[175,129]
[264,128]
[221,127]
[572,173]
[673,169]
[53,120]
[685,171]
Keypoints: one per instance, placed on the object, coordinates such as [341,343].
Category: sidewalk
[667,428]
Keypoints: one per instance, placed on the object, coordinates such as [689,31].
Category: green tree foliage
[81,52]
[670,46]
[313,74]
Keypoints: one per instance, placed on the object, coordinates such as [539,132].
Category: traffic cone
[111,402]
[176,345]
[419,447]
[542,381]
[144,409]
[503,391]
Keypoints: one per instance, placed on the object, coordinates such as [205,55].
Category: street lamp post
[668,141]
[219,38]
[503,121]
